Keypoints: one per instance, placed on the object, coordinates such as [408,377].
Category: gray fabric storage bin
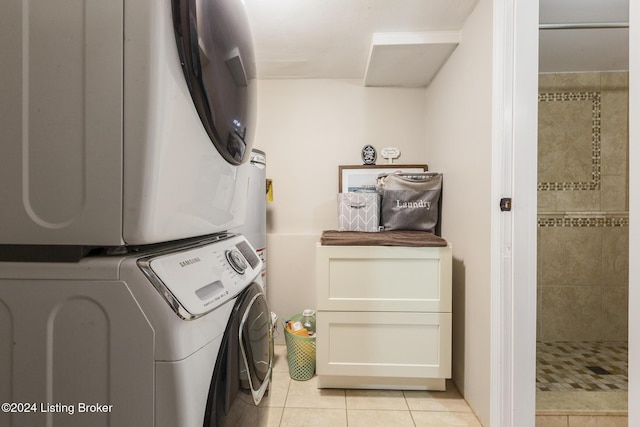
[358,212]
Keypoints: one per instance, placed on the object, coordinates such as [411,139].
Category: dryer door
[216,53]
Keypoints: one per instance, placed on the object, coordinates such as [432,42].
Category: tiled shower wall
[583,207]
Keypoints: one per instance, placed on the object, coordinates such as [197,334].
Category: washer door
[243,367]
[255,346]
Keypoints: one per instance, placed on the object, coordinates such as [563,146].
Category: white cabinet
[383,317]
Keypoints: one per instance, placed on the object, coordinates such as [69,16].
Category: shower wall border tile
[595,98]
[609,221]
[582,212]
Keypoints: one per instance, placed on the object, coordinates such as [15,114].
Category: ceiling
[404,42]
[605,49]
[332,39]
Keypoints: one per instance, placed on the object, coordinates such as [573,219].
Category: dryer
[176,336]
[123,123]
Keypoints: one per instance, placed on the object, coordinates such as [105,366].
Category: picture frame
[362,178]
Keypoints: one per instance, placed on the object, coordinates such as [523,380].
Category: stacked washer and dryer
[126,297]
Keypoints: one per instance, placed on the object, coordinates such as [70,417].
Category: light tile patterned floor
[582,366]
[301,404]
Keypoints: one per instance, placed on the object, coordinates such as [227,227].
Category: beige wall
[307,128]
[459,145]
[583,203]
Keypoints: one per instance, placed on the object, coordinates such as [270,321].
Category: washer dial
[236,260]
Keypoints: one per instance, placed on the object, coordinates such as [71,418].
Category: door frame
[514,241]
[634,209]
[514,174]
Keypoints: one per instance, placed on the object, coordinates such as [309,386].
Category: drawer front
[384,344]
[377,278]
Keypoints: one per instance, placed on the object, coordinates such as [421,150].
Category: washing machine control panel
[236,260]
[197,280]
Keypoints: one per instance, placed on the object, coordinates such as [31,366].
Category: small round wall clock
[369,155]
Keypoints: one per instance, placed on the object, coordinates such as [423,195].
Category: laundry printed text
[425,204]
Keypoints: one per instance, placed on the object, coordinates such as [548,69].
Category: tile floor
[581,409]
[582,384]
[301,404]
[582,366]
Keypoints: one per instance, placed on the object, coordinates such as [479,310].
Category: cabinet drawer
[384,344]
[381,278]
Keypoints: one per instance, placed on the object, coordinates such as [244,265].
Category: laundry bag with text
[410,201]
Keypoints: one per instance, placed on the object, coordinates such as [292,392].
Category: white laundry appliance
[123,123]
[124,298]
[172,337]
[255,225]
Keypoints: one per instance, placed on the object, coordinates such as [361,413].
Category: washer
[133,339]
